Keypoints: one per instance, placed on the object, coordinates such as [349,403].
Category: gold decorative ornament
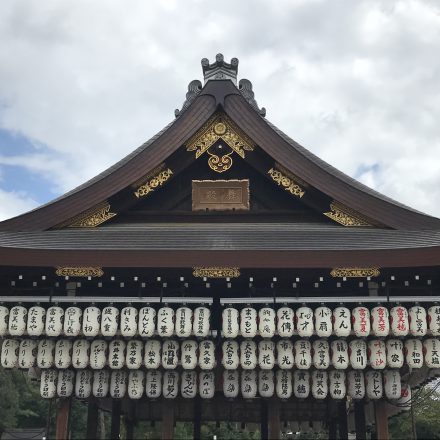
[79,271]
[220,127]
[153,183]
[216,272]
[355,272]
[91,218]
[346,216]
[286,182]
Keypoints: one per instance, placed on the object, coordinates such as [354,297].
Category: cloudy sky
[84,82]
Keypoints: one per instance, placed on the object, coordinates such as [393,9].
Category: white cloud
[14,203]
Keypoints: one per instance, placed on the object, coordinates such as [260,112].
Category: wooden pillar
[92,419]
[130,419]
[342,420]
[273,419]
[263,418]
[359,418]
[116,419]
[332,429]
[167,419]
[63,413]
[381,411]
[197,419]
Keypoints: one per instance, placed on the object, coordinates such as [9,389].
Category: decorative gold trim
[220,127]
[355,272]
[216,272]
[79,271]
[91,218]
[153,183]
[346,216]
[287,183]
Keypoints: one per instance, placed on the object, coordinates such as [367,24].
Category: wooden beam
[167,419]
[381,410]
[359,418]
[116,419]
[92,419]
[273,419]
[63,413]
[342,420]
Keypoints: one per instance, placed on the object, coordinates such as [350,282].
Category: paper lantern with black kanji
[65,383]
[165,322]
[339,351]
[337,387]
[152,354]
[136,383]
[304,322]
[91,321]
[374,384]
[266,322]
[183,324]
[36,320]
[380,321]
[101,383]
[266,383]
[201,322]
[72,321]
[418,322]
[170,354]
[170,385]
[248,322]
[54,321]
[266,354]
[284,385]
[414,353]
[303,354]
[17,321]
[248,354]
[285,355]
[358,354]
[377,354]
[10,350]
[207,355]
[83,384]
[285,322]
[342,322]
[356,384]
[434,320]
[301,384]
[80,353]
[63,353]
[399,321]
[206,384]
[48,383]
[394,353]
[188,354]
[392,384]
[27,354]
[230,324]
[147,322]
[116,354]
[231,383]
[133,356]
[323,322]
[109,321]
[153,384]
[321,354]
[230,355]
[319,384]
[118,384]
[361,321]
[46,353]
[4,320]
[188,384]
[129,321]
[431,347]
[98,354]
[249,386]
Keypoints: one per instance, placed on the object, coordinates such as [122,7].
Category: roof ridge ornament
[220,70]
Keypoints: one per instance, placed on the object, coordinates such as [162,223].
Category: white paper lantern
[91,321]
[129,322]
[118,384]
[303,354]
[319,384]
[170,388]
[393,387]
[323,321]
[284,386]
[266,354]
[133,357]
[98,354]
[48,384]
[83,384]
[339,350]
[116,354]
[46,353]
[404,401]
[207,355]
[10,350]
[301,384]
[230,355]
[63,353]
[361,321]
[394,353]
[109,321]
[399,321]
[36,320]
[342,322]
[304,322]
[54,321]
[285,356]
[380,321]
[4,320]
[231,383]
[248,354]
[321,354]
[356,384]
[201,323]
[165,322]
[189,354]
[230,325]
[434,320]
[249,384]
[266,385]
[65,382]
[188,384]
[358,354]
[80,353]
[72,321]
[337,387]
[418,323]
[377,354]
[17,321]
[136,383]
[285,322]
[183,325]
[431,347]
[147,322]
[374,384]
[248,322]
[101,383]
[206,384]
[266,322]
[27,355]
[170,354]
[414,353]
[153,384]
[152,354]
